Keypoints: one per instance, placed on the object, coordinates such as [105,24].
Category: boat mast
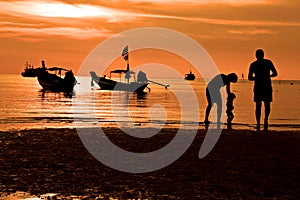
[125,55]
[128,68]
[127,74]
[43,64]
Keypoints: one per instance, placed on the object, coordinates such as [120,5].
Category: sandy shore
[243,165]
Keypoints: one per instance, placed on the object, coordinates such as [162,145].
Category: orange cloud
[201,2]
[252,32]
[47,8]
[221,26]
[223,21]
[69,32]
[56,9]
[8,23]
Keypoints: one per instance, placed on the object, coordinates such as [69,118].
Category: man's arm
[273,70]
[228,88]
[251,74]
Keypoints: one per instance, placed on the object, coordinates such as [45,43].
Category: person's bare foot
[258,127]
[266,126]
[206,122]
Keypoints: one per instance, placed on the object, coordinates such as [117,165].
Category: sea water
[23,105]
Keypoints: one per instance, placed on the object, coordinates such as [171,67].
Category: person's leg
[219,112]
[267,113]
[208,108]
[258,114]
[206,121]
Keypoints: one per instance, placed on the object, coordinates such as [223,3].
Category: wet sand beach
[243,165]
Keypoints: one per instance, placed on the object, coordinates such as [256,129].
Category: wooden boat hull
[54,83]
[108,84]
[31,72]
[26,74]
[190,77]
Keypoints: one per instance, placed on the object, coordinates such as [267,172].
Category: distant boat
[30,71]
[53,81]
[190,76]
[138,85]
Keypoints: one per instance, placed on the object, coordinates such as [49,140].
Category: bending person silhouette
[260,72]
[213,94]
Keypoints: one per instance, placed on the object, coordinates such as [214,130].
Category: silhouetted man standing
[260,73]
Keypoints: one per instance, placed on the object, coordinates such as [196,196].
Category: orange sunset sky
[64,32]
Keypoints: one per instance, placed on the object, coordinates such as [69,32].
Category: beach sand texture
[243,165]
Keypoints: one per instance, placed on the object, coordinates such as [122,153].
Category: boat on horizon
[190,76]
[51,79]
[139,84]
[30,71]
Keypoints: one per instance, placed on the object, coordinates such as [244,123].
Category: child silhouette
[230,107]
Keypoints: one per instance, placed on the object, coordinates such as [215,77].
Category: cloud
[55,9]
[245,22]
[207,2]
[233,34]
[223,21]
[8,23]
[68,32]
[252,32]
[49,13]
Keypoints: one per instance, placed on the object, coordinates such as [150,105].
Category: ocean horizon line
[153,77]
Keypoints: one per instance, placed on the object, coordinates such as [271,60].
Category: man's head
[232,77]
[259,54]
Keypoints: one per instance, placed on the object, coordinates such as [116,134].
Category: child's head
[231,96]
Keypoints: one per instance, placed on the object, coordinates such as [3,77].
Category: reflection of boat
[190,76]
[53,81]
[136,86]
[30,71]
[54,95]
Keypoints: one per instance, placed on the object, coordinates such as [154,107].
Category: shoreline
[189,126]
[243,164]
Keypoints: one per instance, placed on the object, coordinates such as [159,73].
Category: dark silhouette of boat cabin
[138,85]
[30,71]
[190,76]
[51,79]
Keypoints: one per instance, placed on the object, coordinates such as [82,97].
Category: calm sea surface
[24,106]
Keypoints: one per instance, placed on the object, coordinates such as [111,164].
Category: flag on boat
[125,53]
